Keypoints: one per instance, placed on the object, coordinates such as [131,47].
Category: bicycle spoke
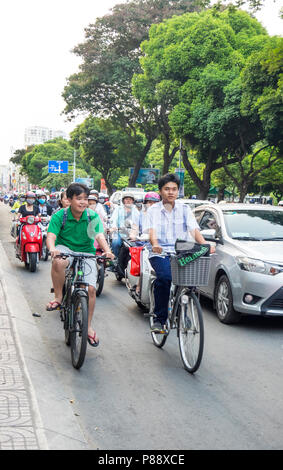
[191,333]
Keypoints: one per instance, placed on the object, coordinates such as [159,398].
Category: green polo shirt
[78,235]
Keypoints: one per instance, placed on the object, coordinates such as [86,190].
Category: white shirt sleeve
[191,220]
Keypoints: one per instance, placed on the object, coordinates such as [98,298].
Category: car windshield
[254,224]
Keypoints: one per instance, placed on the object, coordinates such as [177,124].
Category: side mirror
[212,235]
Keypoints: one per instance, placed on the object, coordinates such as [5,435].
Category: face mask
[30,201]
[41,201]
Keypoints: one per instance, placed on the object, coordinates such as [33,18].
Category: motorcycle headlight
[30,220]
[258,266]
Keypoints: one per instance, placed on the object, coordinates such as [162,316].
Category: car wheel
[224,302]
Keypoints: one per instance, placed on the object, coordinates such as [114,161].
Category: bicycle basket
[195,273]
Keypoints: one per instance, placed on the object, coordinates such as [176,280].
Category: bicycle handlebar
[79,255]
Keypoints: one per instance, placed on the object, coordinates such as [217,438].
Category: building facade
[35,135]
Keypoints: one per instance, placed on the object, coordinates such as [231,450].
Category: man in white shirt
[168,221]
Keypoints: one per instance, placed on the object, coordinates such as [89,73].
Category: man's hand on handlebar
[108,255]
[54,252]
[157,249]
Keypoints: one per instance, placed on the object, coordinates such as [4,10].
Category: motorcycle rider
[126,212]
[125,218]
[149,199]
[53,202]
[97,206]
[44,208]
[19,202]
[15,208]
[29,208]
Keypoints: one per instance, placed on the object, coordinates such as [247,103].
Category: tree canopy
[193,63]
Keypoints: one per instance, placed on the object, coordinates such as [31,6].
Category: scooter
[15,223]
[28,243]
[44,226]
[139,279]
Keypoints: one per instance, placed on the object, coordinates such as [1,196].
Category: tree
[33,162]
[196,59]
[106,147]
[110,57]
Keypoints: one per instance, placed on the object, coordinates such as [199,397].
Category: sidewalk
[20,423]
[35,407]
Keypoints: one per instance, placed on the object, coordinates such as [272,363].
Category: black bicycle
[184,311]
[74,306]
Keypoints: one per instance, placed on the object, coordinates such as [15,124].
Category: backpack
[65,217]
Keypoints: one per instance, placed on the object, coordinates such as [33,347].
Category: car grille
[273,305]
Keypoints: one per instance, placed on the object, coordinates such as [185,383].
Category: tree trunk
[167,156]
[108,184]
[138,165]
[204,184]
[220,196]
[243,191]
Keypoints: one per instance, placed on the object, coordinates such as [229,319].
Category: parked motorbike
[28,243]
[44,226]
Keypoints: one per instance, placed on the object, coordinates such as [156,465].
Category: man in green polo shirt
[75,231]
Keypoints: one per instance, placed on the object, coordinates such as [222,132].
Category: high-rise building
[35,135]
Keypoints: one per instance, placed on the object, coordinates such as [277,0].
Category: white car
[193,203]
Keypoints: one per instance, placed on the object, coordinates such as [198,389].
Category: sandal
[95,341]
[53,305]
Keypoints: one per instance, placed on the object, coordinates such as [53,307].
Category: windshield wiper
[273,238]
[247,238]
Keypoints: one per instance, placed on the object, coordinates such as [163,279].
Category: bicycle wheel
[190,330]
[78,335]
[100,279]
[159,339]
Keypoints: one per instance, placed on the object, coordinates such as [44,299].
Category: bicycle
[184,310]
[74,306]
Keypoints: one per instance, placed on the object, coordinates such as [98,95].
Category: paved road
[130,395]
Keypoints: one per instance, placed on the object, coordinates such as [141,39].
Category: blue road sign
[59,167]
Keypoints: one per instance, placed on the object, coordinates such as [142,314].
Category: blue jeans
[162,286]
[116,244]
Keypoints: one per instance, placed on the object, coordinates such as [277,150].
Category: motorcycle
[44,226]
[15,223]
[139,273]
[28,243]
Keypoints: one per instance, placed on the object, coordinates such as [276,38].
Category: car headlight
[258,266]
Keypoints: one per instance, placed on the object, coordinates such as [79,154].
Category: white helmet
[128,194]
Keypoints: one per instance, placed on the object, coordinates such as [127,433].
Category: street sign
[57,166]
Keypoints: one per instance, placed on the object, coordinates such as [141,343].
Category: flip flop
[95,343]
[55,305]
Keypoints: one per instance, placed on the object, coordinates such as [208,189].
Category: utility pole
[74,167]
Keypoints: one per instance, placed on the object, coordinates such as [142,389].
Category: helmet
[30,194]
[92,197]
[128,194]
[40,193]
[93,191]
[152,196]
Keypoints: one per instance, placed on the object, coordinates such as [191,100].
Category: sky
[36,41]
